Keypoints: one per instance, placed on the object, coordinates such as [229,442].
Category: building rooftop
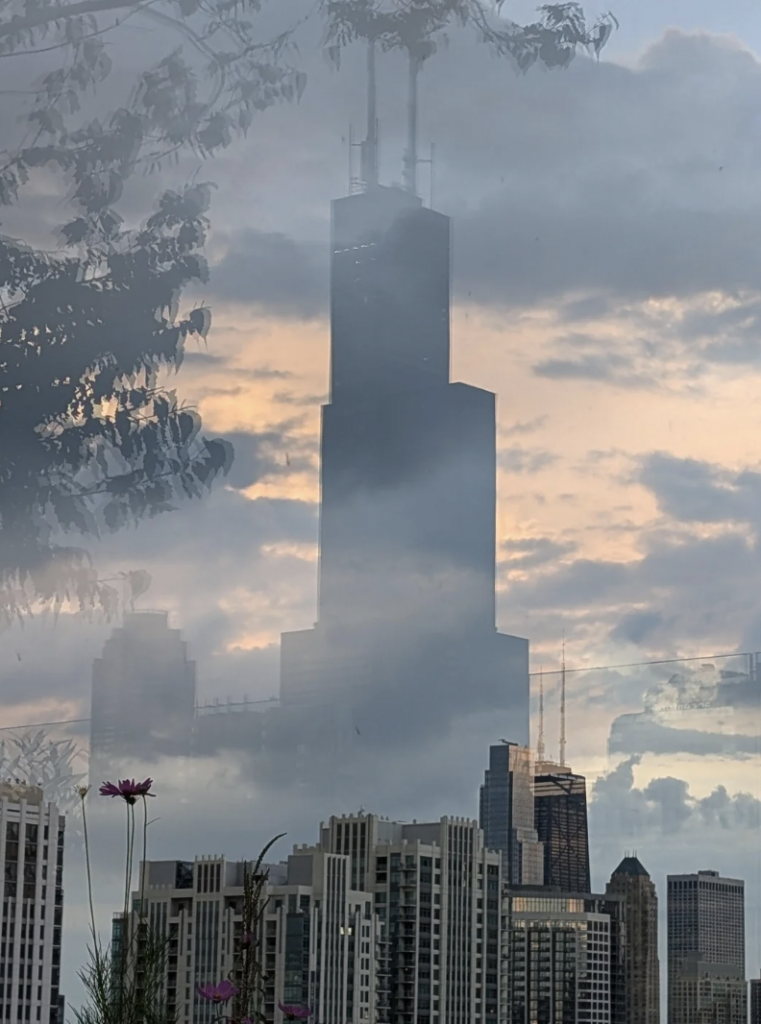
[16,790]
[631,866]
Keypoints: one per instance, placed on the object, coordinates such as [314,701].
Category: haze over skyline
[606,221]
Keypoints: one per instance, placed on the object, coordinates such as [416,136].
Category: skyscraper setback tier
[406,607]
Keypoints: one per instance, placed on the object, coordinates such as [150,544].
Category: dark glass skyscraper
[408,514]
[506,813]
[631,882]
[560,819]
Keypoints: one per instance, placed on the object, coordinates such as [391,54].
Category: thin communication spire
[410,156]
[370,145]
[540,740]
[368,150]
[562,707]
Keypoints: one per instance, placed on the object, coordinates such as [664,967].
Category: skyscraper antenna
[369,169]
[410,156]
[417,53]
[562,706]
[540,740]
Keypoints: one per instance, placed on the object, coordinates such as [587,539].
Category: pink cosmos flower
[127,789]
[221,993]
[292,1012]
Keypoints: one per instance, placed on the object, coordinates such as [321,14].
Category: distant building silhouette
[633,884]
[406,610]
[560,819]
[507,814]
[143,693]
[706,949]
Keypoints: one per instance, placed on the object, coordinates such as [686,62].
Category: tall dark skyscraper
[507,813]
[406,609]
[631,882]
[560,820]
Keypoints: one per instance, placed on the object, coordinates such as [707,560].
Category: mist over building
[407,566]
[143,693]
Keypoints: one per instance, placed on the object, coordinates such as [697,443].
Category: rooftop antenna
[353,183]
[540,740]
[431,161]
[562,706]
[370,145]
[417,54]
[368,150]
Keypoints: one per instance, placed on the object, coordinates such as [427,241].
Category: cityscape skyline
[668,747]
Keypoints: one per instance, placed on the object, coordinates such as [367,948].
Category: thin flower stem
[126,922]
[145,855]
[89,870]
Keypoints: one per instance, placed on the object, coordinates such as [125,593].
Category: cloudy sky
[607,287]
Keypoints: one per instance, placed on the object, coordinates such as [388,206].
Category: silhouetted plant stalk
[126,981]
[243,988]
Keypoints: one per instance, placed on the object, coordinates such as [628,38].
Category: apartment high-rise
[379,923]
[437,894]
[706,949]
[319,939]
[31,867]
[322,942]
[633,884]
[560,820]
[143,693]
[563,958]
[507,814]
[406,607]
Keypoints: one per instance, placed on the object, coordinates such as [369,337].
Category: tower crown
[631,865]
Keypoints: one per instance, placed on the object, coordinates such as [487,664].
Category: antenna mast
[562,706]
[370,145]
[411,157]
[540,740]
